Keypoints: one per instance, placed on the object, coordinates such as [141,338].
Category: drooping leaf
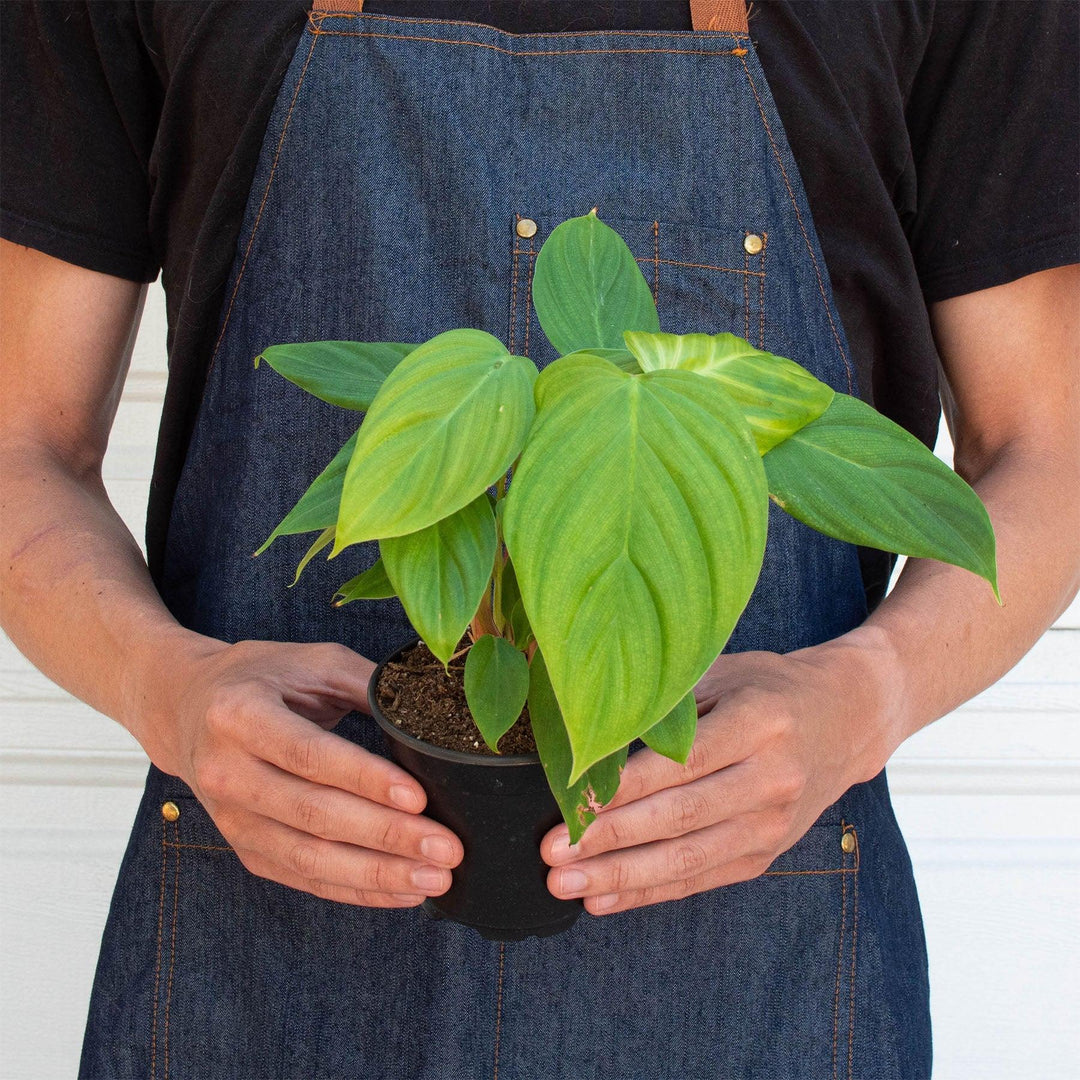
[588,288]
[324,539]
[636,522]
[777,396]
[579,800]
[447,423]
[345,373]
[496,686]
[440,573]
[674,735]
[371,584]
[856,475]
[317,508]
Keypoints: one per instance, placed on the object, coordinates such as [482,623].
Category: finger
[330,670]
[334,814]
[723,739]
[687,858]
[264,868]
[745,869]
[670,813]
[313,859]
[303,749]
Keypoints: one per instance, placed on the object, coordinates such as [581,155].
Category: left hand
[779,739]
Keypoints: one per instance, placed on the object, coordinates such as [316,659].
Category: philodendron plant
[602,582]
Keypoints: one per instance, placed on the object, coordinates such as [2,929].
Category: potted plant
[585,598]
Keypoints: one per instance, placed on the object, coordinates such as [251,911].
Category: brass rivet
[847,842]
[753,243]
[170,811]
[526,227]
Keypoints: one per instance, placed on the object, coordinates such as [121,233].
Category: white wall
[990,801]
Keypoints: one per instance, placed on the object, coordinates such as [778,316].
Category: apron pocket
[703,279]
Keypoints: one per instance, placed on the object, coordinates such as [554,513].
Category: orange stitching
[796,873]
[839,961]
[705,266]
[656,262]
[761,293]
[262,205]
[316,32]
[315,18]
[746,293]
[172,944]
[199,847]
[798,217]
[854,942]
[498,1006]
[157,966]
[528,302]
[513,294]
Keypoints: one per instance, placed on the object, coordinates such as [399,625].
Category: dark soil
[419,697]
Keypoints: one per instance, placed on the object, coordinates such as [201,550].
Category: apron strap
[728,16]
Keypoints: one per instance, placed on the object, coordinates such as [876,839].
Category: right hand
[249,734]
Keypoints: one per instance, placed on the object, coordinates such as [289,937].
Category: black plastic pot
[500,808]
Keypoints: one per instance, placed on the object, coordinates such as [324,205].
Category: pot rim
[430,749]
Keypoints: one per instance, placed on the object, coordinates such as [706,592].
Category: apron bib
[403,172]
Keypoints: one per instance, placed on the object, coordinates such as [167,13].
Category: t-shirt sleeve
[80,105]
[993,118]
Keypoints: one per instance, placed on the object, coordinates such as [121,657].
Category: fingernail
[437,849]
[603,903]
[572,882]
[430,879]
[405,797]
[560,848]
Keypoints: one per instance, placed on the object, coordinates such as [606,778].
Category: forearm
[940,637]
[77,598]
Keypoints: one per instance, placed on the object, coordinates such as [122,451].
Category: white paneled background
[989,799]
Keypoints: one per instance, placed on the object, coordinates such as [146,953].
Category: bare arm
[782,737]
[244,725]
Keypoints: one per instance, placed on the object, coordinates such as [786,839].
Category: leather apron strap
[724,15]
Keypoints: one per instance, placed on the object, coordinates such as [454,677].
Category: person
[363,172]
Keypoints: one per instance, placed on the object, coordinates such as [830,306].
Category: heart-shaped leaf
[440,573]
[674,735]
[496,686]
[345,373]
[621,358]
[447,423]
[856,475]
[371,584]
[317,508]
[777,396]
[580,800]
[636,522]
[588,288]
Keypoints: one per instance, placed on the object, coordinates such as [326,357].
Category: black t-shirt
[937,142]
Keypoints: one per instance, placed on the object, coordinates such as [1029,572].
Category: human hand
[779,739]
[247,728]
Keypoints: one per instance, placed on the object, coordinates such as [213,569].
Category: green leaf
[520,628]
[636,522]
[447,423]
[372,584]
[325,539]
[579,800]
[777,396]
[856,475]
[345,373]
[619,357]
[674,735]
[496,686]
[587,287]
[510,594]
[440,573]
[317,508]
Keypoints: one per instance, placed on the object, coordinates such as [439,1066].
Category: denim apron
[404,169]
